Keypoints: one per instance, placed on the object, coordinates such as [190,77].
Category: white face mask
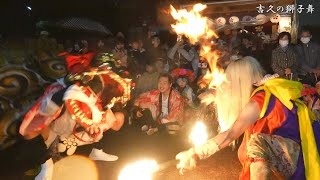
[305,40]
[283,43]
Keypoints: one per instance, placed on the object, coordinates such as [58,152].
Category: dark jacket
[308,56]
[282,59]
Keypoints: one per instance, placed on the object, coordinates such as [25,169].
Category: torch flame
[191,23]
[141,170]
[196,27]
[199,134]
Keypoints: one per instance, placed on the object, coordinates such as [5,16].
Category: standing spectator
[159,65]
[184,55]
[156,50]
[308,53]
[284,61]
[101,46]
[120,53]
[148,80]
[183,78]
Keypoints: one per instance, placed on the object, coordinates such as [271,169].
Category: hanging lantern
[285,23]
[233,20]
[261,19]
[247,18]
[275,18]
[221,21]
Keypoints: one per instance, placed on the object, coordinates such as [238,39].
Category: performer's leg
[259,171]
[47,162]
[272,153]
[97,153]
[47,109]
[46,170]
[70,144]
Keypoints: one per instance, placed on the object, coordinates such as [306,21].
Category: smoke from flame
[197,29]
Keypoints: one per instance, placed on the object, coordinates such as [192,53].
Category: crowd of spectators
[154,65]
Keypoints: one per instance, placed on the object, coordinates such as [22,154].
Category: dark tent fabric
[83,24]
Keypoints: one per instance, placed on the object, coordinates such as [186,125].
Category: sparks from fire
[196,27]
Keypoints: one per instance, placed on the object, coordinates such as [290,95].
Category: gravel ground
[130,145]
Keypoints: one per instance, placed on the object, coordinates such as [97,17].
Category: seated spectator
[141,46]
[284,61]
[148,80]
[183,77]
[161,108]
[100,46]
[159,65]
[119,50]
[308,53]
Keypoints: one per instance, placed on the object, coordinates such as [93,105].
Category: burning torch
[145,169]
[198,136]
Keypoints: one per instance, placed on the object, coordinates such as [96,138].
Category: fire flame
[196,27]
[142,170]
[199,134]
[191,23]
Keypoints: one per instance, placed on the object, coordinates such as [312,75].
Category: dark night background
[117,15]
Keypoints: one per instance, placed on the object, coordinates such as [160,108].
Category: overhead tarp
[83,24]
